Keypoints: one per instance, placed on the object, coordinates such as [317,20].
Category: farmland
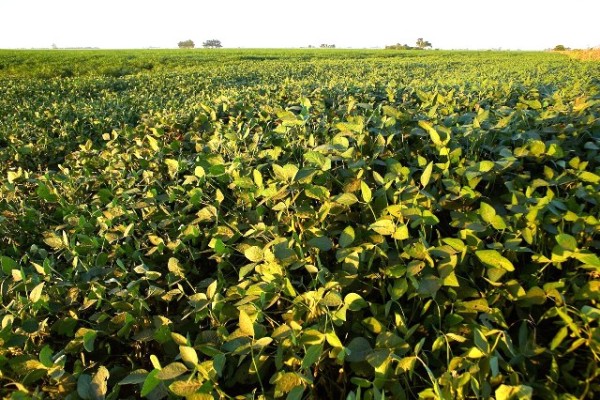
[298,224]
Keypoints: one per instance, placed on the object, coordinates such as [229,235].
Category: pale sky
[447,24]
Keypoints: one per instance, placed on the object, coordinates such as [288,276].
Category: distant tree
[560,47]
[212,44]
[186,44]
[399,46]
[423,43]
[327,46]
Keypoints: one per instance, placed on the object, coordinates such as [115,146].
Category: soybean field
[299,224]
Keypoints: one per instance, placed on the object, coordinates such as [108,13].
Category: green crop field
[299,224]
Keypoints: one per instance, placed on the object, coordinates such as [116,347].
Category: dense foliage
[309,224]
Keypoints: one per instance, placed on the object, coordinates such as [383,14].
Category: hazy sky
[447,24]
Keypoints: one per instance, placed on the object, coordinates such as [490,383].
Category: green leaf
[559,337]
[296,393]
[333,340]
[347,237]
[346,199]
[317,159]
[456,244]
[359,348]
[322,243]
[46,193]
[313,353]
[481,341]
[426,175]
[171,371]
[355,302]
[219,363]
[254,254]
[89,337]
[7,264]
[588,258]
[487,212]
[317,192]
[134,378]
[46,356]
[84,387]
[566,241]
[383,227]
[150,383]
[331,299]
[493,259]
[435,137]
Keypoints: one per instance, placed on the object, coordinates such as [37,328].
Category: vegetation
[421,44]
[212,44]
[585,55]
[186,44]
[299,224]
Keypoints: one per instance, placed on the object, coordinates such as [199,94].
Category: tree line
[209,44]
[421,44]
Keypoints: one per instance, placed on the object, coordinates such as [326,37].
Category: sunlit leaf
[493,259]
[383,227]
[171,371]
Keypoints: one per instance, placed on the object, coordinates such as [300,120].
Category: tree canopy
[423,43]
[186,44]
[212,44]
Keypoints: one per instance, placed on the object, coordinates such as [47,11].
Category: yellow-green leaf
[254,253]
[354,302]
[365,191]
[383,227]
[99,385]
[172,166]
[347,236]
[566,241]
[426,175]
[246,325]
[53,240]
[493,259]
[174,268]
[435,137]
[188,355]
[36,293]
[521,392]
[171,371]
[185,388]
